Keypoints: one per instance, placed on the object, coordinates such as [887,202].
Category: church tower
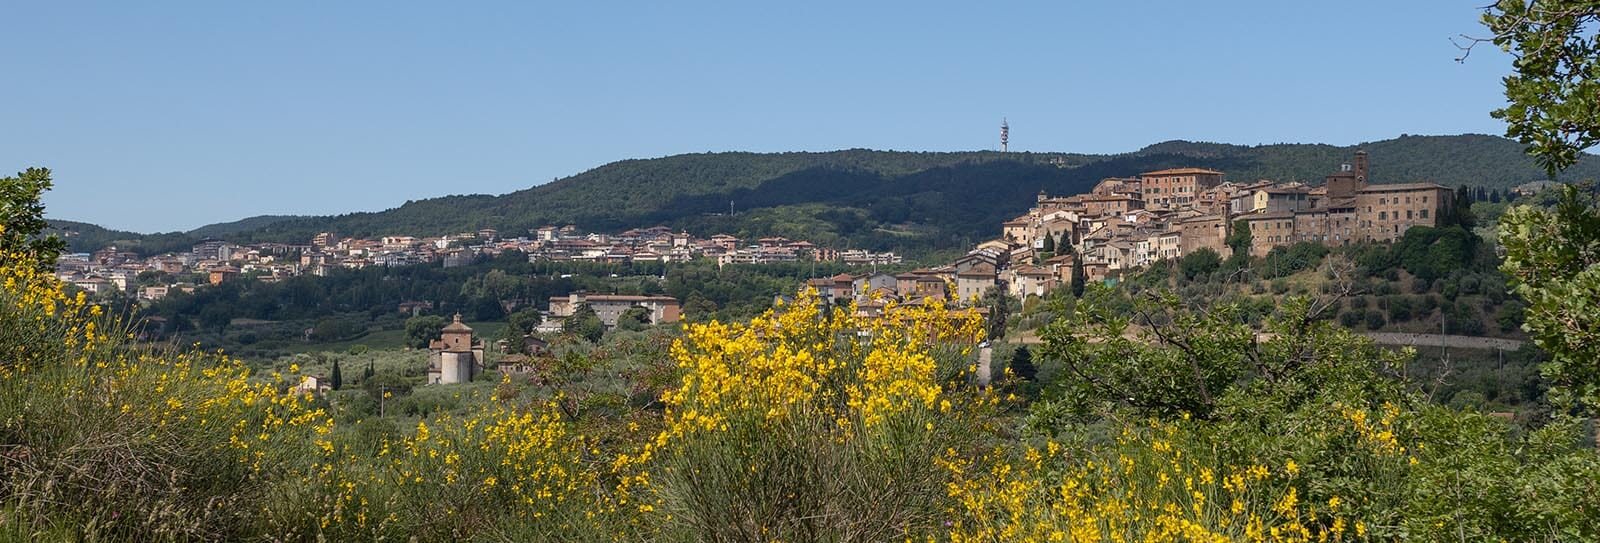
[456,357]
[1361,169]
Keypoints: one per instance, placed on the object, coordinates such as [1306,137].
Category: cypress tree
[1077,276]
[1022,364]
[338,379]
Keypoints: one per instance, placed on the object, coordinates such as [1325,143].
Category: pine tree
[338,380]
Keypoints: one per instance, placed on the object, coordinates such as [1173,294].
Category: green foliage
[22,221]
[1238,241]
[1001,306]
[1431,253]
[1283,261]
[1553,260]
[338,377]
[634,319]
[1553,96]
[1107,361]
[519,324]
[1199,263]
[584,323]
[1375,320]
[423,329]
[1022,364]
[335,329]
[1078,276]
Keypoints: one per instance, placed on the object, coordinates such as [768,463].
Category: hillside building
[663,309]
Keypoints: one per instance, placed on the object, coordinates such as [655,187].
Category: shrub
[1280,286]
[1374,320]
[1509,317]
[1352,318]
[1399,308]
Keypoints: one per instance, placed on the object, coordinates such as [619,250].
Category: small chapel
[456,357]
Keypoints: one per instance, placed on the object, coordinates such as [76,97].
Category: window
[1424,199]
[1424,213]
[1383,216]
[1383,201]
[1408,199]
[1408,213]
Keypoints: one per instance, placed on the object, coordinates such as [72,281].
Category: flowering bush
[812,422]
[129,438]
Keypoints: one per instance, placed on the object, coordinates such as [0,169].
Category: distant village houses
[1127,223]
[214,261]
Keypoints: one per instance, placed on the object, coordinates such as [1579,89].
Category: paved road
[984,355]
[1434,340]
[1031,337]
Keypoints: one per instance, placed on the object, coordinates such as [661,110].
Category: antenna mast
[1005,134]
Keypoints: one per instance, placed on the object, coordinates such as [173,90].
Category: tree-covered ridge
[1467,159]
[914,202]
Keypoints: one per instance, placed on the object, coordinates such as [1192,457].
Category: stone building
[1177,187]
[663,309]
[457,357]
[1268,230]
[1386,211]
[1203,231]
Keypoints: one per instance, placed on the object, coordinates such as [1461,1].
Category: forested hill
[907,201]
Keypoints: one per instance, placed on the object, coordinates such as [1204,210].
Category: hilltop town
[1129,223]
[1122,224]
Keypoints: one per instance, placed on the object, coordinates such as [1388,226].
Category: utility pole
[1444,348]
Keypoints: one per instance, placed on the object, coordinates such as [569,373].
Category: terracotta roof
[1396,187]
[1182,171]
[457,326]
[1266,216]
[618,298]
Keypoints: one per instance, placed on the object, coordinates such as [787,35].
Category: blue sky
[170,115]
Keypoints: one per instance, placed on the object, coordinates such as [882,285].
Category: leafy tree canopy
[22,217]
